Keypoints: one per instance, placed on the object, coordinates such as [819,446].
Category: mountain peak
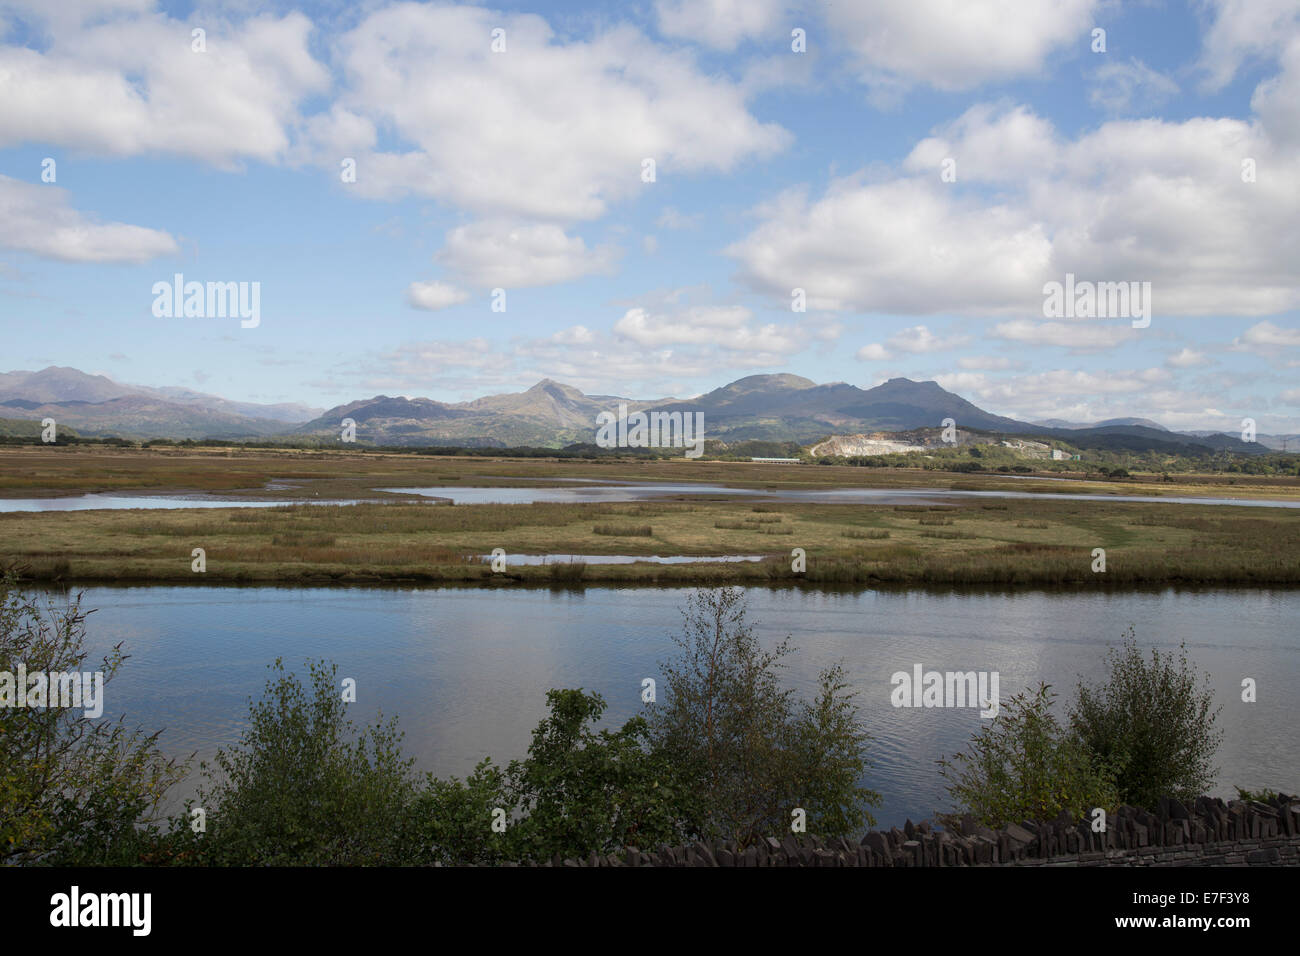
[552,388]
[776,380]
[901,381]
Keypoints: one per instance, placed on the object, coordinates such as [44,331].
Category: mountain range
[98,406]
[778,407]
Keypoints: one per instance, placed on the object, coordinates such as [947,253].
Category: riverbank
[55,471]
[1001,542]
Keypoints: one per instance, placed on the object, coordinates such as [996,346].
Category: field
[28,471]
[974,541]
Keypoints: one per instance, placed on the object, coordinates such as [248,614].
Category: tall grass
[566,572]
[1145,543]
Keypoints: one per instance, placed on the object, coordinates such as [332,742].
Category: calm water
[884,496]
[467,670]
[150,502]
[614,492]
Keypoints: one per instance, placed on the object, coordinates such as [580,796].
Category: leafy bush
[72,788]
[1256,796]
[1153,722]
[1024,766]
[303,786]
[450,821]
[580,790]
[746,752]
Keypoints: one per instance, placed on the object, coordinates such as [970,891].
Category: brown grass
[1034,541]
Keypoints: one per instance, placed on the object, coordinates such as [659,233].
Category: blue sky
[775,170]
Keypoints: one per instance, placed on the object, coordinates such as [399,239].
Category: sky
[458,200]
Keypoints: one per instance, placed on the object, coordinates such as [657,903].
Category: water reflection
[467,670]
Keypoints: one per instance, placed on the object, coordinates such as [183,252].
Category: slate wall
[1208,832]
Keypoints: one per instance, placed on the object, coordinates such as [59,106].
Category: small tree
[1153,721]
[580,790]
[303,786]
[451,821]
[746,752]
[72,788]
[1024,766]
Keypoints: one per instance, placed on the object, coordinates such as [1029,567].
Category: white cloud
[1243,30]
[38,219]
[434,295]
[721,24]
[915,341]
[997,143]
[550,129]
[1083,396]
[133,85]
[1187,358]
[1266,336]
[725,327]
[1079,336]
[597,362]
[419,368]
[920,339]
[1277,100]
[1134,200]
[987,362]
[1131,87]
[574,335]
[901,246]
[956,44]
[516,255]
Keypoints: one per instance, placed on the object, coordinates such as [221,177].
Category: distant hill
[790,408]
[99,406]
[139,416]
[31,428]
[55,384]
[1108,423]
[1274,442]
[1138,438]
[548,415]
[778,408]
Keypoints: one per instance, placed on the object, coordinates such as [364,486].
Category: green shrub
[1154,722]
[1256,796]
[581,790]
[72,789]
[451,821]
[566,572]
[1022,765]
[304,786]
[746,751]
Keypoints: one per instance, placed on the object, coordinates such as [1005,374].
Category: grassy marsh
[1024,542]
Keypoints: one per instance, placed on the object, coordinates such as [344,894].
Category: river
[467,671]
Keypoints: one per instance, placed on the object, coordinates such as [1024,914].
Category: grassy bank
[74,470]
[1009,542]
